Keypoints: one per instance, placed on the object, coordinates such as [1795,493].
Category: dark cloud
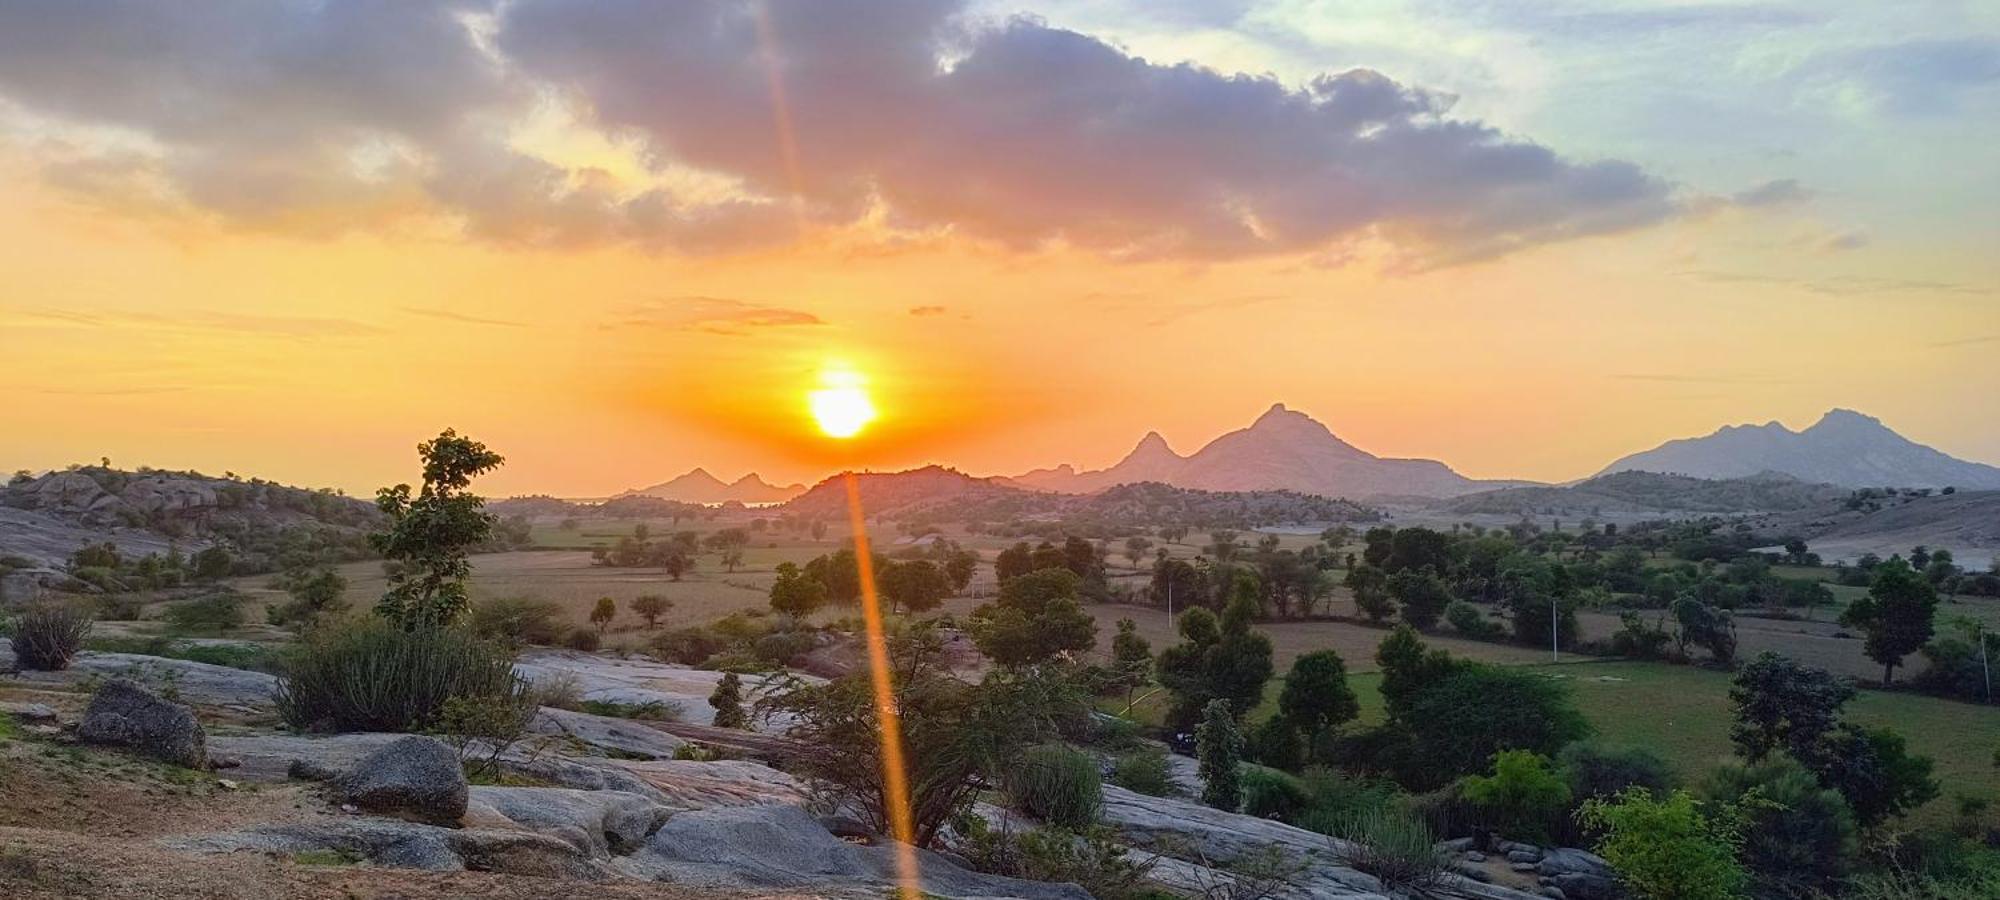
[358,111]
[927,311]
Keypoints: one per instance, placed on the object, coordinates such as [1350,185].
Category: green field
[1683,714]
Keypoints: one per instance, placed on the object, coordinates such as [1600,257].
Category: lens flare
[842,407]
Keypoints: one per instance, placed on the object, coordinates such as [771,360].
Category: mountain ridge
[697,485]
[1844,447]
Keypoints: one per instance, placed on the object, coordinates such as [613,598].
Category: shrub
[1462,720]
[120,607]
[1057,784]
[46,636]
[1220,748]
[583,639]
[1092,859]
[1144,772]
[1594,770]
[1391,845]
[483,728]
[1797,834]
[1523,799]
[1666,849]
[782,648]
[1470,621]
[727,701]
[1271,794]
[690,646]
[1635,639]
[1276,743]
[217,612]
[522,620]
[370,675]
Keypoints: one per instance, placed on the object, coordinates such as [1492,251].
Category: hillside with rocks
[46,518]
[1843,448]
[1636,492]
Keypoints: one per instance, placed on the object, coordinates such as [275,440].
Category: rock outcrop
[123,714]
[411,845]
[598,823]
[416,777]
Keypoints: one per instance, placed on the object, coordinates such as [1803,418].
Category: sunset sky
[618,239]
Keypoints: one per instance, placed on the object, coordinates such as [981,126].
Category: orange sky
[317,344]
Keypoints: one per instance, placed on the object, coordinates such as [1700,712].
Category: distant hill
[1844,448]
[1284,450]
[1885,522]
[1651,492]
[700,487]
[935,494]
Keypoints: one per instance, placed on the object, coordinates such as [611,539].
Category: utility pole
[1555,652]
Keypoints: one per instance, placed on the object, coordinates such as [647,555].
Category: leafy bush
[782,648]
[483,728]
[522,620]
[1667,849]
[46,636]
[370,675]
[1220,748]
[1092,859]
[583,639]
[1524,798]
[1391,845]
[1057,784]
[1461,721]
[1276,743]
[1595,770]
[1468,620]
[1271,794]
[650,711]
[1144,771]
[690,646]
[727,700]
[120,607]
[217,612]
[1797,834]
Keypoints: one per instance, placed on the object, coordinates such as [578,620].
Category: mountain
[700,487]
[1843,448]
[902,493]
[1283,450]
[1653,493]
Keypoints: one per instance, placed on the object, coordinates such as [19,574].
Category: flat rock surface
[720,783]
[784,847]
[268,757]
[599,823]
[199,684]
[632,680]
[626,736]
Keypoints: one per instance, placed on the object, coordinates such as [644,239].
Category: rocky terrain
[45,518]
[1650,493]
[595,806]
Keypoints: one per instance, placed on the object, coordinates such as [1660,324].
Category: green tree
[1316,697]
[727,700]
[314,593]
[914,586]
[1421,594]
[1135,549]
[1219,745]
[1458,723]
[1131,658]
[651,607]
[1667,848]
[795,593]
[430,534]
[1035,619]
[1783,706]
[212,563]
[1897,615]
[1371,592]
[1408,669]
[1217,660]
[1798,835]
[603,613]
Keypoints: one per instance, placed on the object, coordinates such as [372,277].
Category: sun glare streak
[895,782]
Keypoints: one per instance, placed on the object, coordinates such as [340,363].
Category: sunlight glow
[841,407]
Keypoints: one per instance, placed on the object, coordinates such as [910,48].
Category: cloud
[714,315]
[927,311]
[207,320]
[1851,239]
[1967,341]
[354,114]
[1919,77]
[1676,378]
[1782,192]
[1848,285]
[451,316]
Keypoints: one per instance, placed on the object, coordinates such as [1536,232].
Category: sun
[841,406]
